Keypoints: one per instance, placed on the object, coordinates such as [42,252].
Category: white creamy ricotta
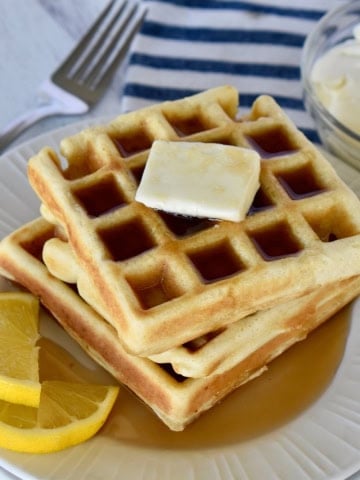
[336,79]
[200,179]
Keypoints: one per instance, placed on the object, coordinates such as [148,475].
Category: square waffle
[164,280]
[176,399]
[216,351]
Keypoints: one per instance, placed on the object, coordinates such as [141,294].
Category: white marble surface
[35,35]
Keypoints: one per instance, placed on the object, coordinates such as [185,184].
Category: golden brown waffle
[177,400]
[165,281]
[216,351]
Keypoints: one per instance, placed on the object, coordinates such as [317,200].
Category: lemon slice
[19,372]
[68,414]
[48,416]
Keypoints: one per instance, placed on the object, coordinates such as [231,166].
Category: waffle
[164,281]
[216,351]
[177,400]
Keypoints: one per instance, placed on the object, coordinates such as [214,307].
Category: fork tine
[92,76]
[88,69]
[80,69]
[71,60]
[107,74]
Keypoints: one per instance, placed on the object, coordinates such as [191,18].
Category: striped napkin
[186,46]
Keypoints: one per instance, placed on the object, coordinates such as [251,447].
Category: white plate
[322,442]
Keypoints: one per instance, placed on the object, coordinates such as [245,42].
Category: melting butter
[200,179]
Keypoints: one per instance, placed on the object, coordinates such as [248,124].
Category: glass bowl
[333,28]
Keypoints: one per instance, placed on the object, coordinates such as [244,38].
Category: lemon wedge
[54,413]
[19,371]
[68,414]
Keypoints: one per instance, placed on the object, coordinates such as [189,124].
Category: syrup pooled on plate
[292,383]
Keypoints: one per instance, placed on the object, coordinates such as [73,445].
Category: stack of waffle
[184,310]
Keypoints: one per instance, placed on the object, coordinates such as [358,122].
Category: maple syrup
[272,142]
[261,202]
[187,126]
[301,182]
[126,240]
[216,262]
[136,142]
[270,247]
[154,288]
[294,380]
[35,246]
[101,198]
[183,226]
[137,173]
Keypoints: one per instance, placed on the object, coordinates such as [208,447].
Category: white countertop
[35,35]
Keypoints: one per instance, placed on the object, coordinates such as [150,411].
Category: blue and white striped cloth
[186,46]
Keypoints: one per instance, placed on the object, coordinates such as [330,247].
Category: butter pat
[200,179]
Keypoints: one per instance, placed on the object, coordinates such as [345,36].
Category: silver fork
[80,81]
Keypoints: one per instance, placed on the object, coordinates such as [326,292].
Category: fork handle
[58,102]
[26,120]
